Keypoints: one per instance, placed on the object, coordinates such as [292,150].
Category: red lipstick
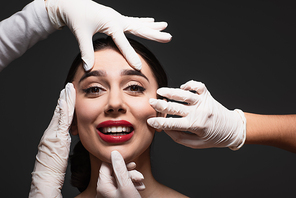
[115,131]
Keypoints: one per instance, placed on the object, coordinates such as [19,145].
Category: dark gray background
[244,51]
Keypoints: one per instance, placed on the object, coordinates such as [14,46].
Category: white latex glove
[86,17]
[210,123]
[53,150]
[121,184]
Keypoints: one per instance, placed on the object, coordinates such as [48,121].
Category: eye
[95,90]
[135,89]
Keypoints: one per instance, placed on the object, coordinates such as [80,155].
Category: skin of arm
[272,130]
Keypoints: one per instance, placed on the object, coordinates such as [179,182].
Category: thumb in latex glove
[210,123]
[86,17]
[119,181]
[53,150]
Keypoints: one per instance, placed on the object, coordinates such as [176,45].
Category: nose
[115,104]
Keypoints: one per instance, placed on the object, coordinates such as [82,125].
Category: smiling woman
[111,112]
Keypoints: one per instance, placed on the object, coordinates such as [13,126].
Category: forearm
[273,130]
[22,30]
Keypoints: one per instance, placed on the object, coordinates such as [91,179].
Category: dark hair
[79,160]
[146,54]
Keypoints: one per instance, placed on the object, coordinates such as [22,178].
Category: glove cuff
[241,137]
[46,184]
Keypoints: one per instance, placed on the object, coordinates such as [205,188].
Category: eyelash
[140,88]
[95,90]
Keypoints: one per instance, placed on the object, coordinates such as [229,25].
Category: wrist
[240,133]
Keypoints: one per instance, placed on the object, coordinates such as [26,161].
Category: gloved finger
[57,119]
[145,19]
[152,34]
[63,119]
[137,179]
[119,168]
[66,104]
[178,95]
[105,180]
[105,172]
[86,48]
[187,139]
[135,176]
[179,124]
[133,24]
[199,87]
[130,166]
[156,25]
[70,99]
[139,185]
[172,108]
[126,49]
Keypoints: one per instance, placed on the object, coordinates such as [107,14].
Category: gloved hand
[121,184]
[210,123]
[53,150]
[85,18]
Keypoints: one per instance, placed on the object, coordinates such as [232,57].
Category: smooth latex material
[86,17]
[210,123]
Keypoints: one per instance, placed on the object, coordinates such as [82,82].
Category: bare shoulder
[171,193]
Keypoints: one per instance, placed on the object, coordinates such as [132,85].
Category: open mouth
[115,131]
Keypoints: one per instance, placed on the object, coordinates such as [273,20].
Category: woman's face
[112,106]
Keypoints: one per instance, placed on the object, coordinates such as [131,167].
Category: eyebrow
[101,73]
[131,72]
[93,73]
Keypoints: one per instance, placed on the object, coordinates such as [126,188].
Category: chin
[129,155]
[129,151]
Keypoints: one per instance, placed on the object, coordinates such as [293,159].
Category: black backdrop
[244,51]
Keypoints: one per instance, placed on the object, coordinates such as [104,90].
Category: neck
[143,166]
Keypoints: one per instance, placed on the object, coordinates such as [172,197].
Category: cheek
[141,109]
[87,110]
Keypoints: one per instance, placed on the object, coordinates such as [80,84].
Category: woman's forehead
[112,62]
[112,59]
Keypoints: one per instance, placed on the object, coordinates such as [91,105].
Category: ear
[73,127]
[158,114]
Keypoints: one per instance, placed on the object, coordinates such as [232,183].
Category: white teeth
[116,129]
[119,129]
